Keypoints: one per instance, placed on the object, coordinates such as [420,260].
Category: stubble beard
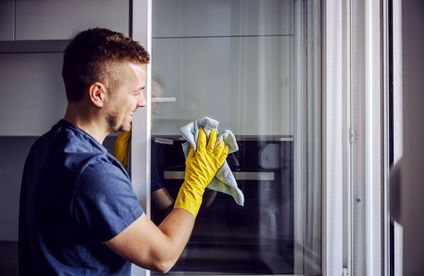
[114,125]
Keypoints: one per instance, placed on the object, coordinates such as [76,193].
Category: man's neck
[86,120]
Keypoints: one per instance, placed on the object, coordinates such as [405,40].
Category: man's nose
[141,100]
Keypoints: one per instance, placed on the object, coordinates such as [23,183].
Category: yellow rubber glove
[121,148]
[201,167]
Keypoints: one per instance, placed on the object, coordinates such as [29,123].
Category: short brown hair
[88,55]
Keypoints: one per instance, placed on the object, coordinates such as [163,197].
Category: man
[78,212]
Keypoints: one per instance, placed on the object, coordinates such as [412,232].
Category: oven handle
[257,176]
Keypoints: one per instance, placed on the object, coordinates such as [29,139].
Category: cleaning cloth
[224,180]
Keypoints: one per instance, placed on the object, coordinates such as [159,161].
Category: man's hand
[201,167]
[121,148]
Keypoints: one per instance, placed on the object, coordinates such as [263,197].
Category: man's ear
[96,93]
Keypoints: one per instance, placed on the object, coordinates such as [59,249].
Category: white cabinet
[48,19]
[7,13]
[32,95]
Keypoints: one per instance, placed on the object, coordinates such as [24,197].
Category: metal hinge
[345,272]
[352,137]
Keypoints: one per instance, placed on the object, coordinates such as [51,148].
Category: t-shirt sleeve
[104,202]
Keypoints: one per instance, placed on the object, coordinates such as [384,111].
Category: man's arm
[152,247]
[158,248]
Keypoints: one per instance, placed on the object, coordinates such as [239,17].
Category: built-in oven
[255,238]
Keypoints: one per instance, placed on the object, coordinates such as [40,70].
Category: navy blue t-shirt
[74,197]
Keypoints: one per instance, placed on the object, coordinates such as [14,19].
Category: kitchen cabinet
[32,94]
[47,19]
[60,20]
[36,33]
[7,19]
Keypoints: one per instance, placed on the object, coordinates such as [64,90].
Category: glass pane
[255,67]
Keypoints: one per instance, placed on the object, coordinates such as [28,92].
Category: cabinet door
[7,12]
[47,19]
[32,94]
[255,67]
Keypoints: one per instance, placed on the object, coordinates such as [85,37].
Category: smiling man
[78,212]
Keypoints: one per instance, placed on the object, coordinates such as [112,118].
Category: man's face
[127,96]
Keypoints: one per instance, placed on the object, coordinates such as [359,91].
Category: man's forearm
[177,226]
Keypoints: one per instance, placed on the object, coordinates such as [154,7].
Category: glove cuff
[189,199]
